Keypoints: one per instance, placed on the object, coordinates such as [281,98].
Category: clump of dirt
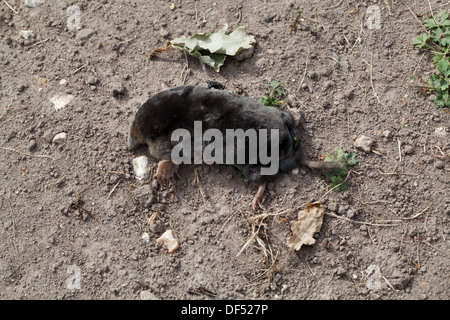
[385,237]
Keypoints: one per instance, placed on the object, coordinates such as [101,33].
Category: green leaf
[339,154]
[274,84]
[338,183]
[434,81]
[421,40]
[446,99]
[277,87]
[439,102]
[442,36]
[211,59]
[437,33]
[215,45]
[329,158]
[443,67]
[437,58]
[344,186]
[441,18]
[430,24]
[350,158]
[268,101]
[444,84]
[262,100]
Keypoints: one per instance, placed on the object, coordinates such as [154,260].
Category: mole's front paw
[166,170]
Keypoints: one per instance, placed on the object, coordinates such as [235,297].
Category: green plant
[437,40]
[276,92]
[338,176]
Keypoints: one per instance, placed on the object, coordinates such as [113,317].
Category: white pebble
[168,241]
[59,137]
[33,3]
[146,237]
[61,100]
[364,143]
[440,131]
[27,34]
[140,167]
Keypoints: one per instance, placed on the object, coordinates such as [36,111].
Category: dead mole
[214,110]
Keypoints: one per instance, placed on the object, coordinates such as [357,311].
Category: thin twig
[14,225]
[112,190]
[333,7]
[79,69]
[418,214]
[397,173]
[336,186]
[306,68]
[6,109]
[415,16]
[375,94]
[331,214]
[42,41]
[125,41]
[10,7]
[27,154]
[399,149]
[432,14]
[390,285]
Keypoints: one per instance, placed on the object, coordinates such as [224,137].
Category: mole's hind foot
[256,203]
[166,170]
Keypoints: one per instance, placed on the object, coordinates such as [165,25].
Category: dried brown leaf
[309,222]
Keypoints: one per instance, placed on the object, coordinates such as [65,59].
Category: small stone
[425,286]
[27,34]
[147,295]
[439,164]
[408,149]
[333,206]
[84,34]
[351,213]
[22,88]
[364,143]
[269,17]
[145,237]
[63,82]
[32,145]
[119,91]
[144,195]
[33,3]
[92,81]
[387,134]
[61,100]
[163,32]
[140,167]
[440,132]
[168,241]
[244,54]
[340,271]
[48,135]
[60,137]
[156,227]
